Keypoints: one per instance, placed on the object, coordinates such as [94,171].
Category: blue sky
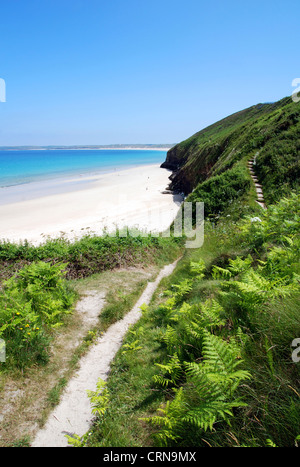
[108,72]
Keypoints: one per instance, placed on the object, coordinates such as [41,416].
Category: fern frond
[208,394]
[211,311]
[100,398]
[182,289]
[132,347]
[205,415]
[239,265]
[217,354]
[221,273]
[172,372]
[170,338]
[198,268]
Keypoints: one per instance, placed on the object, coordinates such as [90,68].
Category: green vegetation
[268,132]
[32,305]
[39,386]
[220,191]
[210,361]
[34,300]
[90,254]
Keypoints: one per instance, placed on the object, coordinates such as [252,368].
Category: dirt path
[260,196]
[73,414]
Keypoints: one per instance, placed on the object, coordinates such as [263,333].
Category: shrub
[220,191]
[32,304]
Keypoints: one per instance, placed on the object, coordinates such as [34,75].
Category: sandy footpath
[74,413]
[131,197]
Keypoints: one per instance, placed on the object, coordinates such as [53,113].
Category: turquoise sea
[30,174]
[19,167]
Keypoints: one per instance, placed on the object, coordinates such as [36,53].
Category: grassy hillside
[36,292]
[88,255]
[210,361]
[269,132]
[45,335]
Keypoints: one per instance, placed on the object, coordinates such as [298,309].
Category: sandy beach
[89,204]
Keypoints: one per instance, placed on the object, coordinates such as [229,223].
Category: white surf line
[260,197]
[73,414]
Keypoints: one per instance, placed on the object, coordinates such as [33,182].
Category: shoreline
[57,184]
[93,204]
[87,161]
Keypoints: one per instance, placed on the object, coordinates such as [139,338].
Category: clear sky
[139,71]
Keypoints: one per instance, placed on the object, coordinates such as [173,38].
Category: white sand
[131,197]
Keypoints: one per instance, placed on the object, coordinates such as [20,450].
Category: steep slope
[269,132]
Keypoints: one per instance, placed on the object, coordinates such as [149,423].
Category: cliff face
[192,160]
[258,130]
[176,158]
[190,165]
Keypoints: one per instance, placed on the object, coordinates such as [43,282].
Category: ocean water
[18,167]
